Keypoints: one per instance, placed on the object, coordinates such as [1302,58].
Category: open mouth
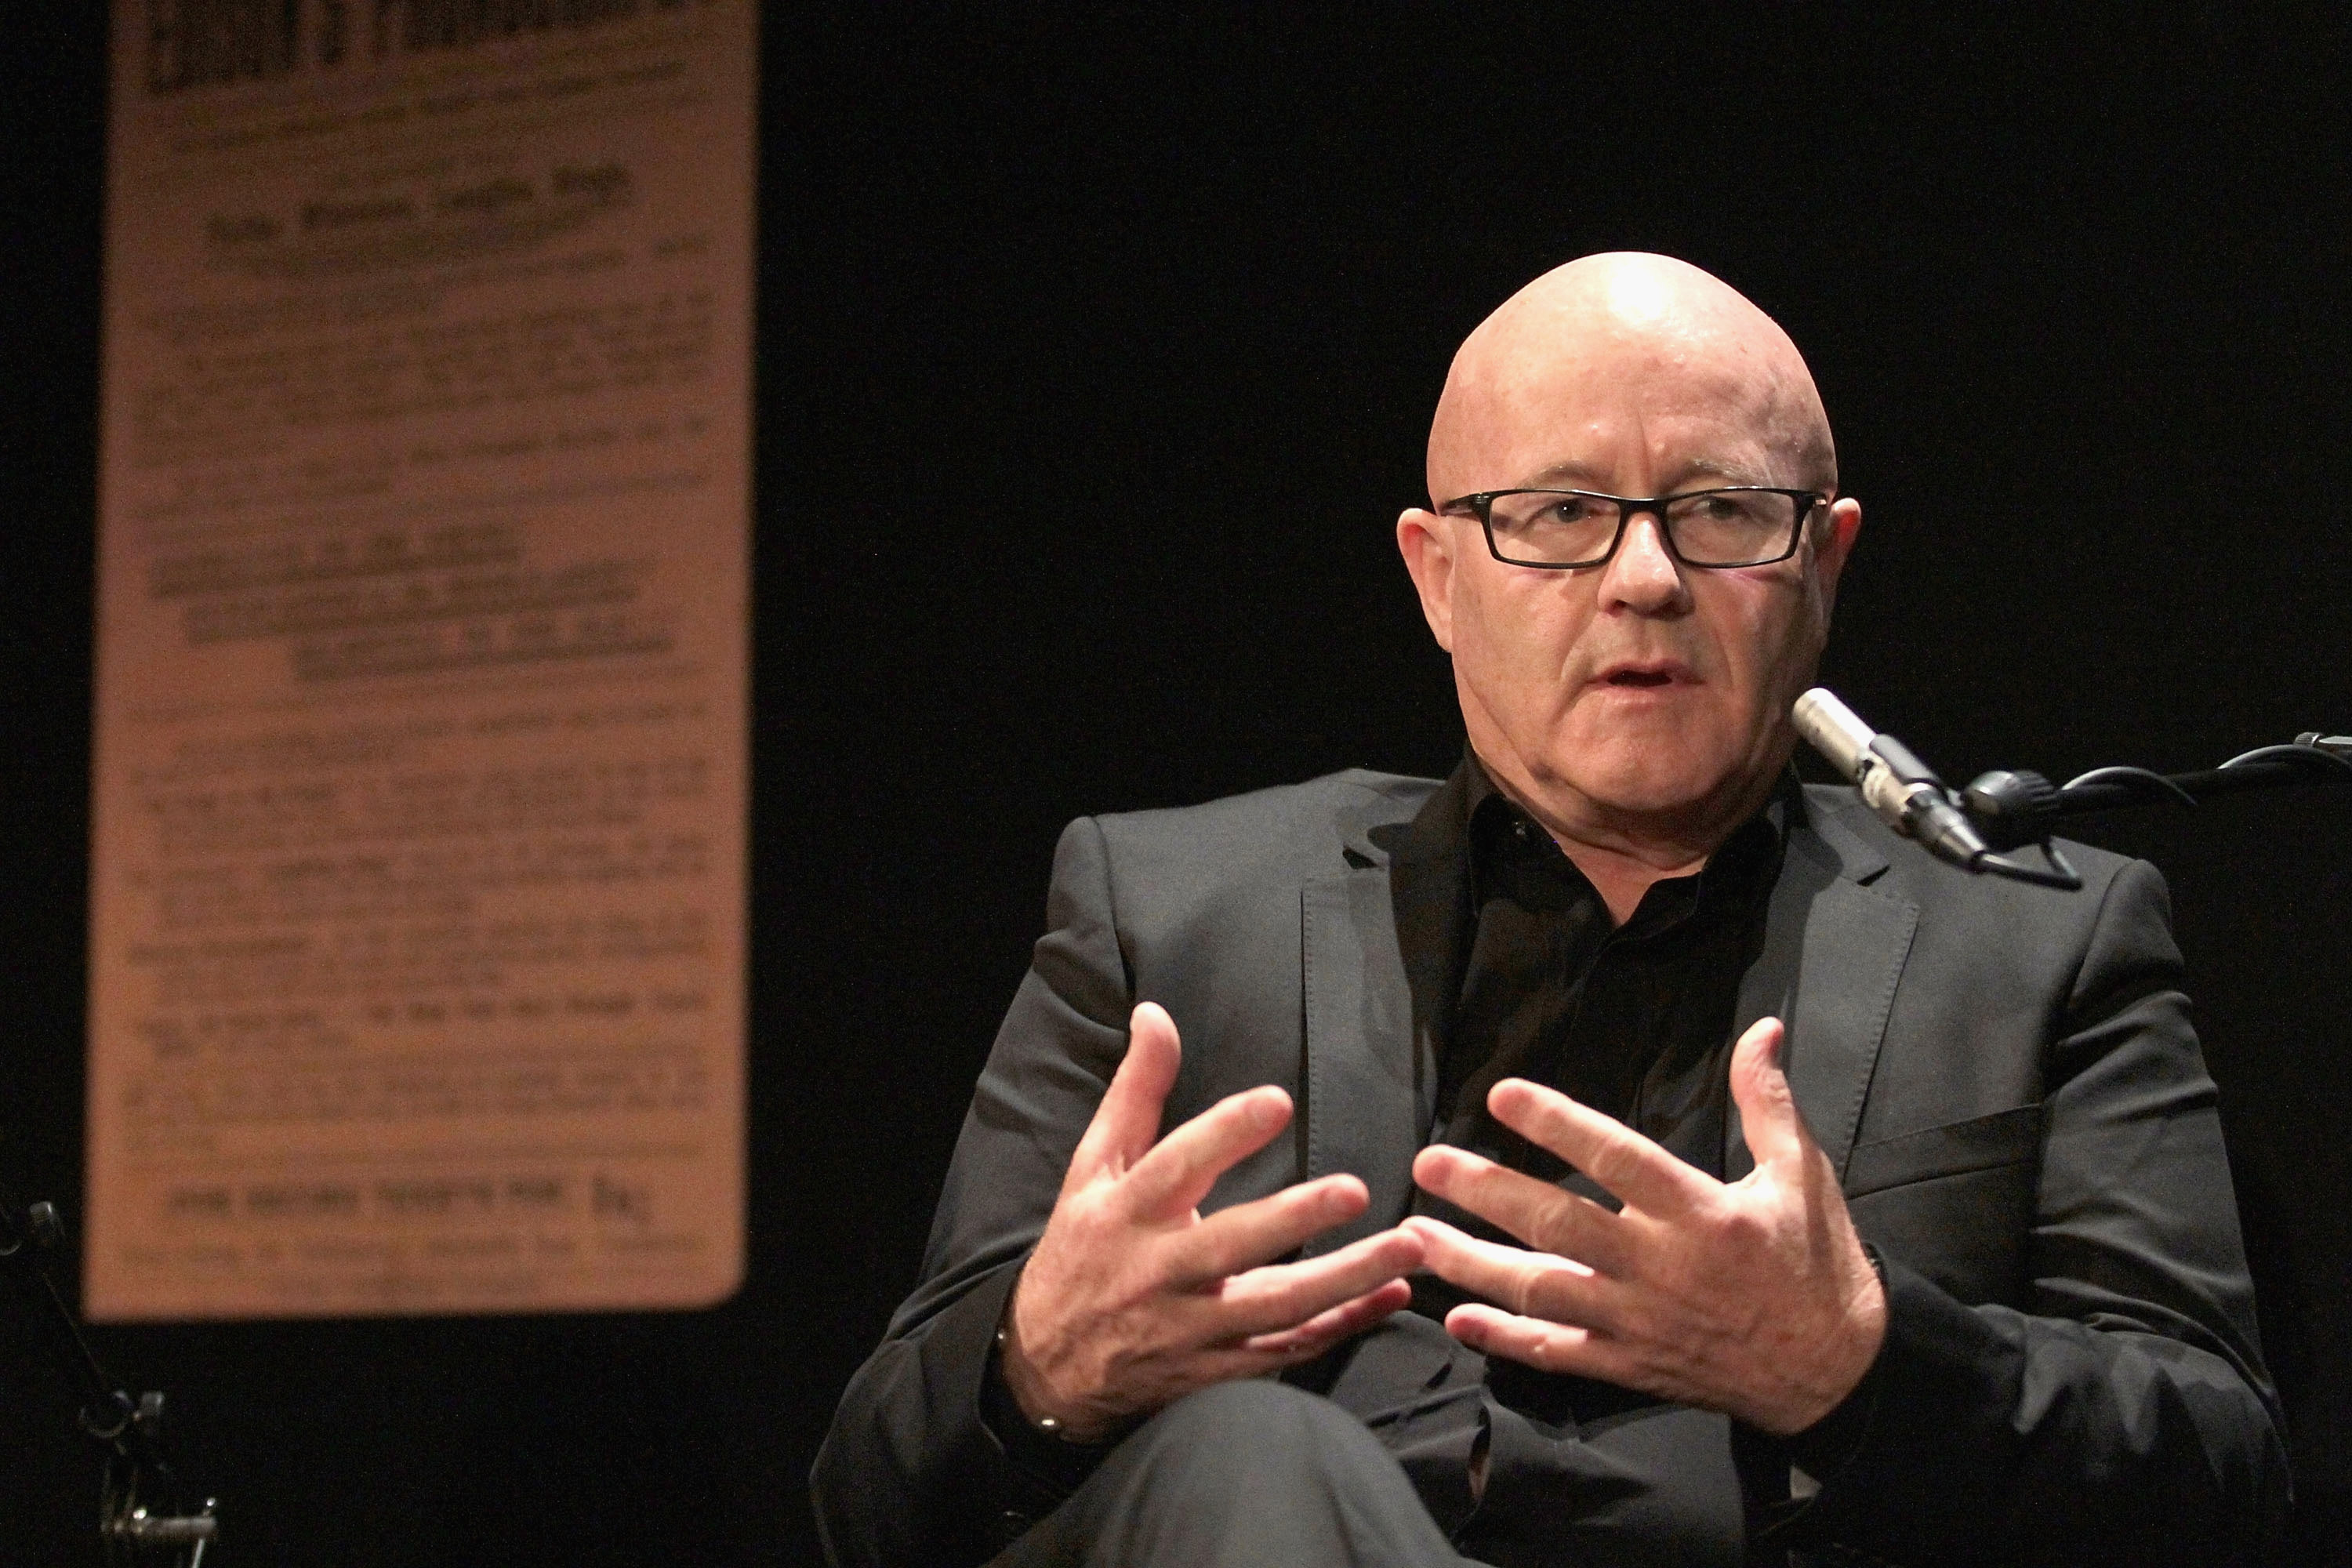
[1640,677]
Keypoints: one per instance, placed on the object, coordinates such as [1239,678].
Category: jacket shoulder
[1278,835]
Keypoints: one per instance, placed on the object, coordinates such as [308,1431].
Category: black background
[1095,354]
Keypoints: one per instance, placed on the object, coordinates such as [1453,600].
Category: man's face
[1642,695]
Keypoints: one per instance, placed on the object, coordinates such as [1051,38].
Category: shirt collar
[1508,850]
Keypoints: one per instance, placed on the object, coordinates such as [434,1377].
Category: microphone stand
[2016,806]
[142,1522]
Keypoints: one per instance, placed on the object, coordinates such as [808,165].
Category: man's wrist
[1050,1426]
[1045,1450]
[1830,1442]
[1845,1358]
[1022,1385]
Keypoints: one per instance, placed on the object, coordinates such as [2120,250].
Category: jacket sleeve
[910,1472]
[2119,1412]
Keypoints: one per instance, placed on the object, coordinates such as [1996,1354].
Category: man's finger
[1283,1295]
[1768,1111]
[1247,1235]
[1531,1284]
[1320,1333]
[1128,1120]
[1537,1213]
[1178,1173]
[1532,1342]
[1625,1163]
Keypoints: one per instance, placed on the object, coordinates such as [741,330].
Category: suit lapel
[1428,878]
[1834,949]
[1360,1075]
[1378,953]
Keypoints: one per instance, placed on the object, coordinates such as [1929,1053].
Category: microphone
[1903,791]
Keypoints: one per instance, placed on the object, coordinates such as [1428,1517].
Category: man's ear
[1835,545]
[1426,541]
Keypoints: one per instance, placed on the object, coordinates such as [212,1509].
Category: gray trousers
[1242,1474]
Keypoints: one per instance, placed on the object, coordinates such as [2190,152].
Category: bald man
[1613,1153]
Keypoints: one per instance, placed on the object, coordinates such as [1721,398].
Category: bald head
[1631,321]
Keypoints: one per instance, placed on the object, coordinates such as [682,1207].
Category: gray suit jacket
[2004,1075]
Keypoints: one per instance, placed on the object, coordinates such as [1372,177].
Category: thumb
[1768,1111]
[1127,1122]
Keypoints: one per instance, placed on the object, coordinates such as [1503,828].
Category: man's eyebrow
[1572,474]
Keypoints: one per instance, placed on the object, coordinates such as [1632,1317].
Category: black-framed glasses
[1741,525]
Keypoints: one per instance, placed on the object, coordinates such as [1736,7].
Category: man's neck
[1623,857]
[1621,880]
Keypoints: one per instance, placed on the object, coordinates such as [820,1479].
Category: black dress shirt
[1632,1020]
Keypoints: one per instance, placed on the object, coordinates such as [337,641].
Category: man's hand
[1755,1299]
[1132,1300]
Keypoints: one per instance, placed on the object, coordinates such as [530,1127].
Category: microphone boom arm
[2016,806]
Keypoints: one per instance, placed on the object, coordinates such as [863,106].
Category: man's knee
[1258,1431]
[1249,1472]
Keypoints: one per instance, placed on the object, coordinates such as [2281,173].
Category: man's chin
[1648,787]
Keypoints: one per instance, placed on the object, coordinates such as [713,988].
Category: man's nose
[1643,575]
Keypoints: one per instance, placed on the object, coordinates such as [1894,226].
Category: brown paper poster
[418,888]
